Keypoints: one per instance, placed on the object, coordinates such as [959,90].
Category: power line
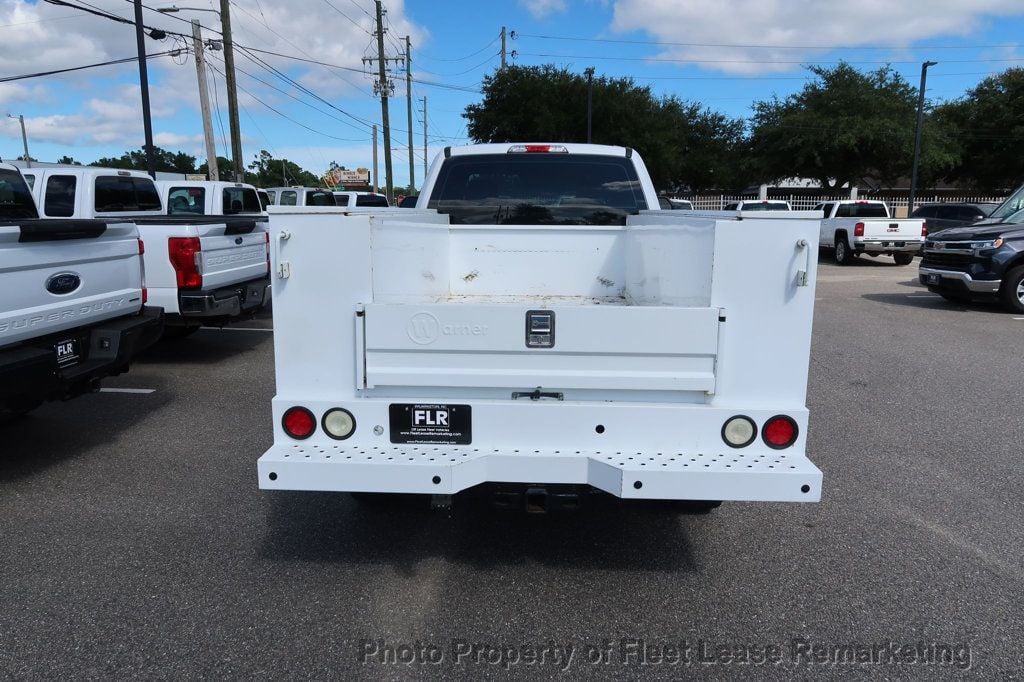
[7,79]
[751,61]
[351,20]
[460,59]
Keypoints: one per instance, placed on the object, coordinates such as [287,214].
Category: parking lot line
[238,329]
[127,390]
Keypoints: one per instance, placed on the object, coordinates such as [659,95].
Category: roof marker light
[537,149]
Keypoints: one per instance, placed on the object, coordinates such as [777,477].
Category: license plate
[932,279]
[893,228]
[442,424]
[68,352]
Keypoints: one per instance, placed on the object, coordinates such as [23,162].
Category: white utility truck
[72,305]
[542,323]
[855,226]
[201,269]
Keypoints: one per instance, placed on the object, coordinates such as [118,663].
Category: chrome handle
[801,275]
[284,268]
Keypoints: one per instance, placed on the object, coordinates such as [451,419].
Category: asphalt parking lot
[136,544]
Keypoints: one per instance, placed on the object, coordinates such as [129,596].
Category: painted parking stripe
[128,390]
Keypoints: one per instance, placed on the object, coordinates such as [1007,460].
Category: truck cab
[360,199]
[201,197]
[300,196]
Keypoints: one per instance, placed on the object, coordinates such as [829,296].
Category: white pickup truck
[201,269]
[72,306]
[852,227]
[300,196]
[207,197]
[544,326]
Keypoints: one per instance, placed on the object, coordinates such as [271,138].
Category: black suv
[983,260]
[944,216]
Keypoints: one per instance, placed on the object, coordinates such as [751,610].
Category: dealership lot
[136,542]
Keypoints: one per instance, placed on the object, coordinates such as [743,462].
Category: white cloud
[723,33]
[541,9]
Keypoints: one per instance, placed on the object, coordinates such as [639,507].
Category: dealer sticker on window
[443,424]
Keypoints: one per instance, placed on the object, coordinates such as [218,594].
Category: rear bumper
[30,372]
[888,245]
[957,282]
[445,470]
[226,302]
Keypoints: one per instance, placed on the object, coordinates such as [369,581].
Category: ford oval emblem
[63,283]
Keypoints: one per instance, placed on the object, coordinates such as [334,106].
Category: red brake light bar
[537,149]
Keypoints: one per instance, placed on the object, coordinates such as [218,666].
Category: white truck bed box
[664,329]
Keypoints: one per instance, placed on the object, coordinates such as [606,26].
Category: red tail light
[780,432]
[267,235]
[145,295]
[142,247]
[185,253]
[924,229]
[858,230]
[298,422]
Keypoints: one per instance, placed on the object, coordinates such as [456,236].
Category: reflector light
[537,149]
[298,422]
[739,431]
[858,230]
[338,423]
[924,229]
[779,432]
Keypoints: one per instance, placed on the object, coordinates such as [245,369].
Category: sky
[306,94]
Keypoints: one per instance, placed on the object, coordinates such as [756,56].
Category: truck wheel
[903,258]
[842,252]
[1012,291]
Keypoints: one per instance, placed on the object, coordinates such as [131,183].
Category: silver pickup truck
[72,310]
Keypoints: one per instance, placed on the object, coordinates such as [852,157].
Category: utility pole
[24,138]
[204,102]
[383,87]
[424,137]
[229,75]
[147,122]
[917,135]
[503,59]
[376,185]
[408,99]
[590,98]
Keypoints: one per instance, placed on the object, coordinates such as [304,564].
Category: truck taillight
[142,247]
[185,253]
[924,229]
[298,422]
[145,295]
[267,241]
[537,149]
[779,432]
[858,230]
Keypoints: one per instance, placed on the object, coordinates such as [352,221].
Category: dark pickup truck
[983,260]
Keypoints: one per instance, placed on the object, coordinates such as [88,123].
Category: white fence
[803,202]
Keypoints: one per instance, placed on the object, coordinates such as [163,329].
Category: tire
[903,258]
[843,256]
[1012,291]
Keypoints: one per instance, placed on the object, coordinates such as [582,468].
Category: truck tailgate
[231,253]
[463,345]
[61,274]
[889,228]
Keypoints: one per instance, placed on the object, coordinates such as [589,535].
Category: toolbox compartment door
[621,347]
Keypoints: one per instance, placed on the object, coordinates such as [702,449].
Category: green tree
[271,172]
[682,144]
[69,161]
[988,126]
[165,161]
[843,126]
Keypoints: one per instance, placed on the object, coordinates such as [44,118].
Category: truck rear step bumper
[230,301]
[445,470]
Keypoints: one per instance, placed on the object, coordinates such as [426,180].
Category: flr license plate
[68,352]
[443,424]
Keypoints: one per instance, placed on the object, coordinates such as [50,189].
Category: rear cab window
[186,201]
[371,200]
[117,193]
[537,189]
[59,198]
[241,200]
[15,197]
[319,198]
[341,199]
[289,198]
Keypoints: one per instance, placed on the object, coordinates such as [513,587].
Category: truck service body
[72,310]
[201,269]
[537,320]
